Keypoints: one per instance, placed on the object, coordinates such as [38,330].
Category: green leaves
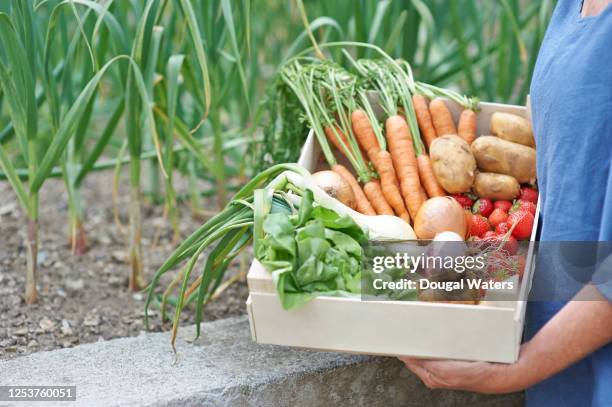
[13,178]
[194,30]
[312,252]
[280,239]
[17,82]
[67,127]
[229,21]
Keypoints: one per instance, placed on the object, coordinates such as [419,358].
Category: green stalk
[294,78]
[174,65]
[195,201]
[138,109]
[31,295]
[340,102]
[78,237]
[152,182]
[233,210]
[215,121]
[136,281]
[431,90]
[70,167]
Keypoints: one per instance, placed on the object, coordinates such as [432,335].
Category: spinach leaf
[312,252]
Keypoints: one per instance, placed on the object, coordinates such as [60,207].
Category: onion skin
[448,237]
[380,227]
[437,215]
[336,187]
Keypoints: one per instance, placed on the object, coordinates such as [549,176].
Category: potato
[453,163]
[496,186]
[513,128]
[505,157]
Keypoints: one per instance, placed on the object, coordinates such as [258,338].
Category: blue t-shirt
[571,97]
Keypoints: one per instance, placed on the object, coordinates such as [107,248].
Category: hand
[479,377]
[559,344]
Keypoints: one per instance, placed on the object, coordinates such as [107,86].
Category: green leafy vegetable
[312,252]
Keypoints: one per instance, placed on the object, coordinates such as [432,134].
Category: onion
[380,227]
[447,237]
[336,187]
[439,214]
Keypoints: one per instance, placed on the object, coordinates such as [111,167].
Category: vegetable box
[490,331]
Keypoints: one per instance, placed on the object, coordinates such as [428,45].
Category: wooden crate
[490,331]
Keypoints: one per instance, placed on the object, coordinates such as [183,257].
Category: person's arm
[580,328]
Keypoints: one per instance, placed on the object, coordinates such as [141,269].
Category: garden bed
[84,299]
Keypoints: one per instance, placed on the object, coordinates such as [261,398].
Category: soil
[85,298]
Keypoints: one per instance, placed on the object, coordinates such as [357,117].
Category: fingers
[452,374]
[417,366]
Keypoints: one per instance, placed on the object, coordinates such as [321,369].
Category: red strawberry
[529,194]
[518,262]
[497,216]
[496,266]
[463,200]
[468,221]
[488,235]
[483,206]
[480,226]
[503,205]
[487,240]
[501,229]
[507,245]
[510,245]
[524,206]
[523,223]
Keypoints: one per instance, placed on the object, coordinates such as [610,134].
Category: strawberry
[505,263]
[487,240]
[510,245]
[523,223]
[518,263]
[488,235]
[496,266]
[497,216]
[503,205]
[501,229]
[524,206]
[529,194]
[480,226]
[463,200]
[468,220]
[507,245]
[483,207]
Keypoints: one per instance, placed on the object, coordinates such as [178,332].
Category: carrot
[430,183]
[442,118]
[424,119]
[389,184]
[363,130]
[375,194]
[400,141]
[467,125]
[424,196]
[331,136]
[405,162]
[363,204]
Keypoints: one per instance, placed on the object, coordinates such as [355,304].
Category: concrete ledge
[225,368]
